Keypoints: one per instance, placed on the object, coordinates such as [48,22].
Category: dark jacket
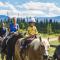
[2,32]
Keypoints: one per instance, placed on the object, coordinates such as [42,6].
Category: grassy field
[51,36]
[52,49]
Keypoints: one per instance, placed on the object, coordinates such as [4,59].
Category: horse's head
[20,35]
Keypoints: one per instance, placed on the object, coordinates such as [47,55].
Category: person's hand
[16,33]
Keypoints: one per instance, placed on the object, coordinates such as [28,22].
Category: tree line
[45,26]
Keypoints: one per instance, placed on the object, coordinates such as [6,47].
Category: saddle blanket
[35,43]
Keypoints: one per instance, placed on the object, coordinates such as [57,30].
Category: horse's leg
[26,54]
[21,54]
[9,53]
[9,58]
[13,53]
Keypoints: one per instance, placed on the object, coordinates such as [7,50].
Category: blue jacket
[13,28]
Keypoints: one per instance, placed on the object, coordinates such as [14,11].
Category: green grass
[56,42]
[0,57]
[51,49]
[51,35]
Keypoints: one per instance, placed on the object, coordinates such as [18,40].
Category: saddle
[26,42]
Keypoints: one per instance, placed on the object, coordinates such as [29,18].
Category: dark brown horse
[3,53]
[10,47]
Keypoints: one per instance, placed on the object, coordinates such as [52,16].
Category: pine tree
[49,28]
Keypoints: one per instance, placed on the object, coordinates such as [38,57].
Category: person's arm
[27,32]
[0,31]
[5,35]
[8,28]
[7,32]
[36,31]
[18,27]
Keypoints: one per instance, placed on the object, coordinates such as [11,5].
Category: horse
[33,52]
[3,53]
[10,47]
[47,46]
[56,54]
[41,51]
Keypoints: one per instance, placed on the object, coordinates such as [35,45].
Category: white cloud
[8,9]
[30,9]
[7,5]
[2,4]
[32,13]
[39,9]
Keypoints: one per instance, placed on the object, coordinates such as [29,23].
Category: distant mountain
[56,18]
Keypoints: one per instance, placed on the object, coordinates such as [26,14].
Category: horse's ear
[20,35]
[48,39]
[25,33]
[40,39]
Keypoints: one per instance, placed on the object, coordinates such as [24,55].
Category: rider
[14,26]
[31,33]
[2,30]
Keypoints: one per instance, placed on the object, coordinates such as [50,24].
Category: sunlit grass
[56,42]
[52,49]
[51,35]
[0,57]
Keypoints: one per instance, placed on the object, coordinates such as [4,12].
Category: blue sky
[57,2]
[30,7]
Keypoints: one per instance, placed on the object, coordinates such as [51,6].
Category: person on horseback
[31,33]
[32,30]
[13,28]
[2,30]
[3,34]
[10,40]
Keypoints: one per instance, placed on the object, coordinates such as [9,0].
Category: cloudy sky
[30,8]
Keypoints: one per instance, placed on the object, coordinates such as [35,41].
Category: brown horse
[29,53]
[17,51]
[36,55]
